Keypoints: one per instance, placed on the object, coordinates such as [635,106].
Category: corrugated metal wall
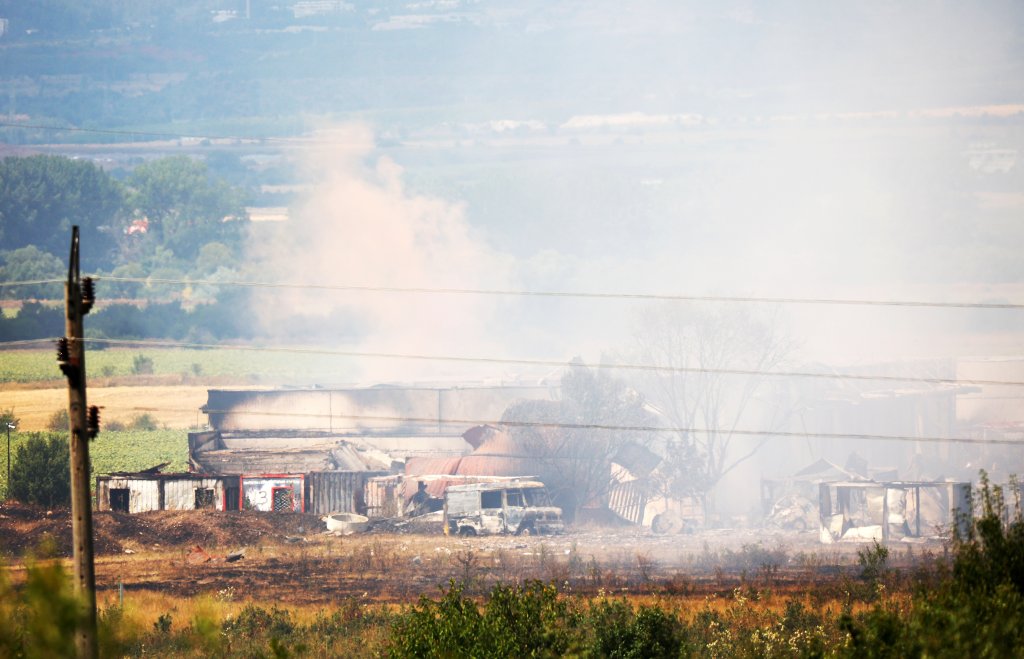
[181,494]
[628,502]
[384,496]
[338,491]
[143,495]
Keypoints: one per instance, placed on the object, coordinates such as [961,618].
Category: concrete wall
[332,410]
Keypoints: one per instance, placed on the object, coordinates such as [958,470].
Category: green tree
[41,197]
[976,609]
[34,321]
[41,471]
[32,264]
[186,207]
[8,417]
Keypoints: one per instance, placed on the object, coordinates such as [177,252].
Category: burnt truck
[519,507]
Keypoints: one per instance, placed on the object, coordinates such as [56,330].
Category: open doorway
[119,498]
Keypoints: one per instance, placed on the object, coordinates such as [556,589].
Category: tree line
[170,218]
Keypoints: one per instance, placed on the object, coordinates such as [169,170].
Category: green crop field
[25,366]
[113,451]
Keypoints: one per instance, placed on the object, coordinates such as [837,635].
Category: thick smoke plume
[357,225]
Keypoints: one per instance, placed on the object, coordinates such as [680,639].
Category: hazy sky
[779,149]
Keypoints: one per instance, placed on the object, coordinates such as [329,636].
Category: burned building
[886,511]
[151,490]
[345,444]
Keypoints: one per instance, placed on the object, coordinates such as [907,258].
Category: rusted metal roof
[423,466]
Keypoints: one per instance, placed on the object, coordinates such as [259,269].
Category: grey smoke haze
[792,150]
[787,150]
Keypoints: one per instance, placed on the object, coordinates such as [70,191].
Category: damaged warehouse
[397,441]
[892,510]
[152,490]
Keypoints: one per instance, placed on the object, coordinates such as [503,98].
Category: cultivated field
[172,406]
[122,366]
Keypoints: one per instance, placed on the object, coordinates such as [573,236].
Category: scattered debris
[794,512]
[667,523]
[198,555]
[236,555]
[346,523]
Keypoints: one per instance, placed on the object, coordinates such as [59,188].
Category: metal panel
[143,494]
[181,494]
[339,492]
[384,496]
[258,491]
[628,502]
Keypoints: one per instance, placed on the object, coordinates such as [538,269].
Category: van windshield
[535,496]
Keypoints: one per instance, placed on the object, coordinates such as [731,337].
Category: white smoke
[358,226]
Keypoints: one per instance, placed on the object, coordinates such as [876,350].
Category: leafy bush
[143,422]
[7,417]
[41,470]
[517,621]
[992,553]
[40,619]
[59,421]
[977,607]
[255,621]
[142,365]
[619,632]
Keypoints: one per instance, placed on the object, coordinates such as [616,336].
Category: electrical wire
[659,297]
[26,342]
[548,363]
[680,430]
[28,282]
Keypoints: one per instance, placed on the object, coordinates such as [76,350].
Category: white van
[519,507]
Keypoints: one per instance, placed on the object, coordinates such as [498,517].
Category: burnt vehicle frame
[506,507]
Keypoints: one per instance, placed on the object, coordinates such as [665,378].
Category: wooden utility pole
[84,423]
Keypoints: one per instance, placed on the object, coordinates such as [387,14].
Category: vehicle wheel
[527,531]
[467,531]
[798,525]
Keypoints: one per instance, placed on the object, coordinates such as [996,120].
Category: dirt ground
[290,558]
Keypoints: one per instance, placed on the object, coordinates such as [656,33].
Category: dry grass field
[173,406]
[291,559]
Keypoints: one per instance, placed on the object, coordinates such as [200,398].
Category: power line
[26,342]
[662,297]
[568,294]
[525,362]
[554,363]
[594,426]
[28,282]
